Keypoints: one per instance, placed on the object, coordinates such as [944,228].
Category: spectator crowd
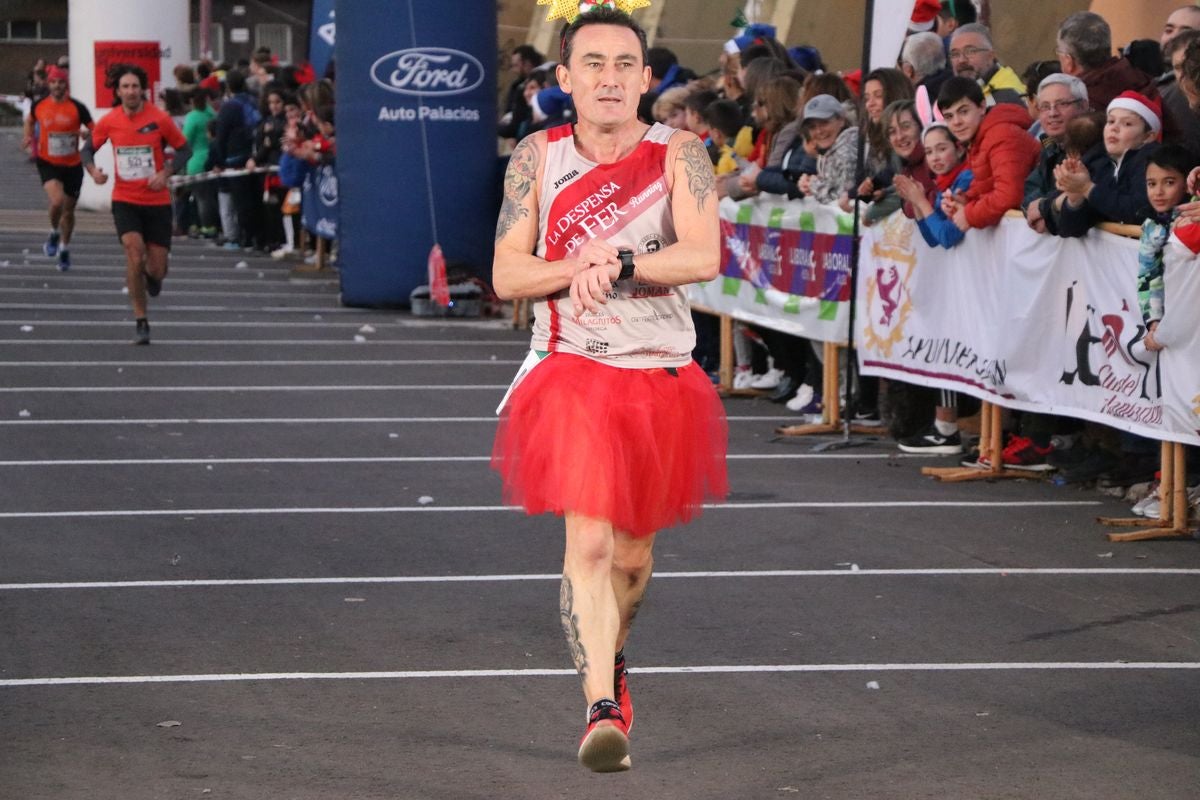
[956,139]
[255,129]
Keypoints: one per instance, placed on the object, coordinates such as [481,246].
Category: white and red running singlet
[626,203]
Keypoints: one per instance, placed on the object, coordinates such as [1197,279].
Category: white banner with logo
[785,265]
[1031,322]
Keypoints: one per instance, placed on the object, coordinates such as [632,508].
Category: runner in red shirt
[59,119]
[141,201]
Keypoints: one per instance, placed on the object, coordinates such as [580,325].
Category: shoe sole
[1030,467]
[605,749]
[941,449]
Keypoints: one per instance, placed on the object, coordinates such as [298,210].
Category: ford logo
[427,71]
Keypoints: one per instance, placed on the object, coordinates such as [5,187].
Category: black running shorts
[152,222]
[70,177]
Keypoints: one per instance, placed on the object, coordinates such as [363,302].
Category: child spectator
[1116,190]
[724,120]
[1166,187]
[693,108]
[1082,139]
[944,155]
[1000,153]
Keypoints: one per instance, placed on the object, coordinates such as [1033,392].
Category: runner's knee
[633,559]
[589,544]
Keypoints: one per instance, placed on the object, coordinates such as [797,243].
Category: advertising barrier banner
[784,265]
[1031,322]
[416,114]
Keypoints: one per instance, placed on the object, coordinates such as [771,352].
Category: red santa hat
[1144,107]
[56,73]
[924,15]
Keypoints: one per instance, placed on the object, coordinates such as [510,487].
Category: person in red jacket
[1000,153]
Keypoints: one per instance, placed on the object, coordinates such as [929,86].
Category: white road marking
[221,512]
[157,462]
[1001,572]
[368,362]
[298,420]
[989,666]
[428,387]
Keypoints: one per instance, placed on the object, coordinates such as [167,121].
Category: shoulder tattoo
[518,183]
[698,167]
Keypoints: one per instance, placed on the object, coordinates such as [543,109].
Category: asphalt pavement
[265,557]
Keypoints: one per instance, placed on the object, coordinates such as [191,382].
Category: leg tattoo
[570,624]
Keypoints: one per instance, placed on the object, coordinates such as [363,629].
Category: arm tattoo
[570,625]
[699,169]
[518,183]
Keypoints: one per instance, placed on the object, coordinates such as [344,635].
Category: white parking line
[237,512]
[772,573]
[970,666]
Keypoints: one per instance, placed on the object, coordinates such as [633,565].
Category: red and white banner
[1031,322]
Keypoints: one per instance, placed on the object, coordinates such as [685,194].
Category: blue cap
[758,30]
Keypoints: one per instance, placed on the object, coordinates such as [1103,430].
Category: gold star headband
[570,9]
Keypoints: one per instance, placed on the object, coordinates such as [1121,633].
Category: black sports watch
[626,257]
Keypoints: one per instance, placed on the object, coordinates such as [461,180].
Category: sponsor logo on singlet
[650,243]
[569,176]
[151,128]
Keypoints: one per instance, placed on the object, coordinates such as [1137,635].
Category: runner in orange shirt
[141,201]
[59,119]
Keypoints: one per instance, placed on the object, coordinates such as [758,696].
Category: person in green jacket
[195,129]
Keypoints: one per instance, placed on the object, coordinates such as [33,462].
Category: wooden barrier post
[1172,503]
[991,448]
[831,399]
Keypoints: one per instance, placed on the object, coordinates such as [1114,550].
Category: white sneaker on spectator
[1151,499]
[282,252]
[768,380]
[804,396]
[742,379]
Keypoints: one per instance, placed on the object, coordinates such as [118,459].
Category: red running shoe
[621,690]
[605,745]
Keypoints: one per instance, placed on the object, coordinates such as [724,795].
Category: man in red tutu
[604,222]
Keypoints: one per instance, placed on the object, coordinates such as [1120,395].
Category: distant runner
[141,201]
[59,121]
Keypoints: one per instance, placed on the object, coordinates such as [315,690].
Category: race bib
[135,163]
[60,145]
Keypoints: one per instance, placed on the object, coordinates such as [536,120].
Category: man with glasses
[972,56]
[1060,98]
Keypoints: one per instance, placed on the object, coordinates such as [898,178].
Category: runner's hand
[596,252]
[158,181]
[590,287]
[98,175]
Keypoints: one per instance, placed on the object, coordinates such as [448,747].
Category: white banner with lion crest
[1031,322]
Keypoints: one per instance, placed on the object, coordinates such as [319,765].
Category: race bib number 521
[135,163]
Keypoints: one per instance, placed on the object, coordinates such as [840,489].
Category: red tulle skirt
[641,448]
